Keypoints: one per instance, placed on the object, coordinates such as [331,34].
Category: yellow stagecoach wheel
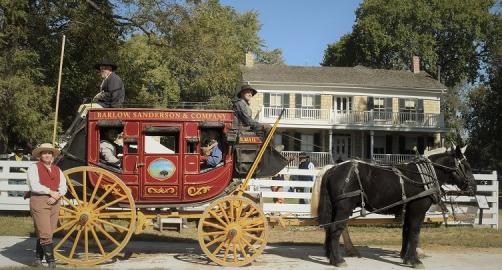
[96,221]
[233,231]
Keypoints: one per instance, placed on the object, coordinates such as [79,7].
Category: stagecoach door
[161,162]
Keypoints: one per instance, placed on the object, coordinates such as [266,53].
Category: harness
[429,181]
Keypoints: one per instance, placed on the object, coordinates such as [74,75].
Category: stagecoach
[162,176]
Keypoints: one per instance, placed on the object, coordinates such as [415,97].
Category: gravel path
[18,251]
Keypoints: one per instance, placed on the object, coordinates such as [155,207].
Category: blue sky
[301,28]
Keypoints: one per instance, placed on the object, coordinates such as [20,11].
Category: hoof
[420,253]
[418,266]
[341,264]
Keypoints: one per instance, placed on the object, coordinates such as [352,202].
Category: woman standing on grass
[47,185]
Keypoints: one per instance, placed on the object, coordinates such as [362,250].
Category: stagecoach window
[161,144]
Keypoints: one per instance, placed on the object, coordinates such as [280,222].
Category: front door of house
[341,147]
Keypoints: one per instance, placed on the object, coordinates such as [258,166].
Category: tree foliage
[453,35]
[168,51]
[484,119]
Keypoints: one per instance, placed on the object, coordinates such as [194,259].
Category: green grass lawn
[458,236]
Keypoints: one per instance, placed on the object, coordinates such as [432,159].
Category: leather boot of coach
[49,256]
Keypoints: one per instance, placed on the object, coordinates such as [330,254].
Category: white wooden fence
[13,185]
[465,210]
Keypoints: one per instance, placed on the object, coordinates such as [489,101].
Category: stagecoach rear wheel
[95,222]
[233,231]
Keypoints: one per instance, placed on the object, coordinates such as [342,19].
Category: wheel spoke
[69,203]
[249,244]
[65,237]
[104,195]
[253,237]
[252,223]
[112,224]
[65,225]
[84,188]
[96,187]
[112,203]
[251,212]
[77,238]
[227,250]
[86,242]
[220,246]
[217,217]
[118,215]
[108,236]
[244,254]
[93,232]
[239,212]
[212,233]
[235,252]
[214,225]
[215,240]
[224,213]
[254,229]
[72,189]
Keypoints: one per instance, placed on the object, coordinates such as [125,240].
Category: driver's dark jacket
[243,113]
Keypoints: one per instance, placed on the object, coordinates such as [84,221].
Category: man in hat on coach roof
[243,111]
[112,91]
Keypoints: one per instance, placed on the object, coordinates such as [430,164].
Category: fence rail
[390,159]
[13,185]
[320,159]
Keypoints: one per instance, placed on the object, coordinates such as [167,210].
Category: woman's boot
[49,256]
[39,255]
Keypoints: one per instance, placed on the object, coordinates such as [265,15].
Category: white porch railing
[296,113]
[376,118]
[320,159]
[390,159]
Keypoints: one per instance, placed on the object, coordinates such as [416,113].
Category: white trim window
[307,144]
[308,101]
[276,100]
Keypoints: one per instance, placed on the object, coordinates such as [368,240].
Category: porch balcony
[391,159]
[328,118]
[320,159]
[390,119]
[295,115]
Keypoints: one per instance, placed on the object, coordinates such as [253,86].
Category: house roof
[353,76]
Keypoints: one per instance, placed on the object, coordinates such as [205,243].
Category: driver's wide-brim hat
[105,62]
[45,147]
[246,87]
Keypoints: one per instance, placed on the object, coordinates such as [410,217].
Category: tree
[272,57]
[484,121]
[451,34]
[25,98]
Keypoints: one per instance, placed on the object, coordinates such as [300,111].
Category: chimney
[415,66]
[249,59]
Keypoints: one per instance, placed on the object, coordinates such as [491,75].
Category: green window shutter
[370,104]
[388,104]
[420,105]
[266,100]
[402,145]
[317,142]
[388,144]
[401,105]
[286,101]
[298,100]
[317,102]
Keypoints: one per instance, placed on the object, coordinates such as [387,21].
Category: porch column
[372,134]
[330,149]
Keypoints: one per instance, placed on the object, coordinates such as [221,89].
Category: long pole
[59,90]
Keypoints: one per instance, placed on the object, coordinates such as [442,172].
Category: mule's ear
[463,149]
[435,151]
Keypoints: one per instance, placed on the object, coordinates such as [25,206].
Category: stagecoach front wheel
[233,231]
[96,219]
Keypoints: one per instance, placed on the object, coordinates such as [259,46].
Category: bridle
[460,170]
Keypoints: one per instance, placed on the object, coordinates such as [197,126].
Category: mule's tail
[325,204]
